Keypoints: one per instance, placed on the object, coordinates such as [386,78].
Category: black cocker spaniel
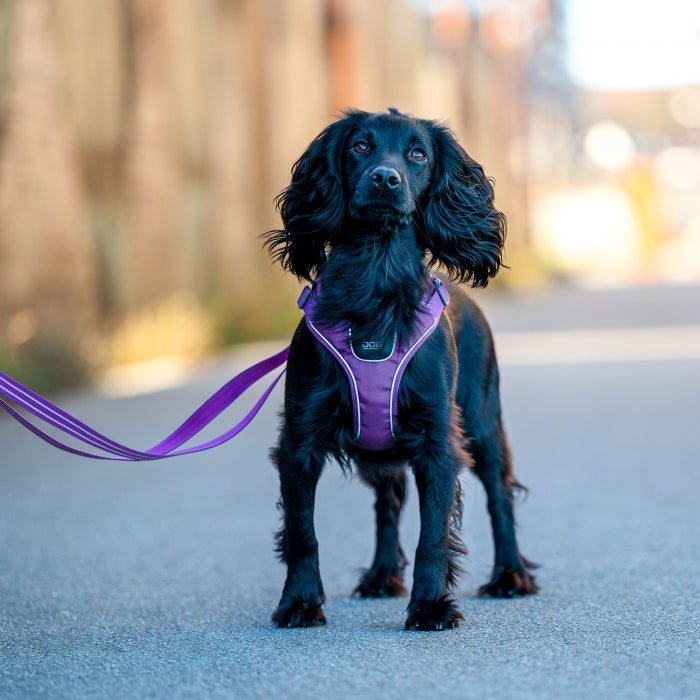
[375,203]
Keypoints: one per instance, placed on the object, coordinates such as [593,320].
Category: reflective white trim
[327,343]
[407,356]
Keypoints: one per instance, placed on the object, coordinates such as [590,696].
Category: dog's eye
[418,154]
[360,147]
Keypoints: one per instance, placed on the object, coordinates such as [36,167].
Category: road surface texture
[158,579]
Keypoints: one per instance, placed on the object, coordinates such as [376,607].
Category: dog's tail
[456,549]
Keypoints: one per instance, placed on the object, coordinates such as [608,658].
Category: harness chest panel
[374,383]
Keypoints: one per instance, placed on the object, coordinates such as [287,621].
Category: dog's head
[387,169]
[382,172]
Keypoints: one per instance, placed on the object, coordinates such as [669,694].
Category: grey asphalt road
[158,580]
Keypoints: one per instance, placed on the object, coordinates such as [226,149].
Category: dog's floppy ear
[462,229]
[313,206]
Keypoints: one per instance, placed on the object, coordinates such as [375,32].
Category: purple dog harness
[374,383]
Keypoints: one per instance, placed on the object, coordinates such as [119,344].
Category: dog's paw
[434,615]
[381,584]
[299,612]
[509,583]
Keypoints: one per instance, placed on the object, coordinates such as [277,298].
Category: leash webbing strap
[44,410]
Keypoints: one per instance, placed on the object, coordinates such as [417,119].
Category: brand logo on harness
[371,350]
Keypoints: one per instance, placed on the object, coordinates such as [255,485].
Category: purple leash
[43,409]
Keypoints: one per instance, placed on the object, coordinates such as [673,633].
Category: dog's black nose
[382,175]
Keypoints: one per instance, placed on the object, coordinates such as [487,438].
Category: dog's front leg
[432,607]
[302,597]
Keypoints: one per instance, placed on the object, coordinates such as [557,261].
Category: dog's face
[387,168]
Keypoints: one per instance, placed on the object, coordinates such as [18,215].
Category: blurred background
[142,143]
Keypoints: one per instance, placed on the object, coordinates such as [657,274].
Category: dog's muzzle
[382,197]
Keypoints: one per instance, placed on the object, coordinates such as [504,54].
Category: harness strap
[43,409]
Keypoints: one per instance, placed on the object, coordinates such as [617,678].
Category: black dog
[375,202]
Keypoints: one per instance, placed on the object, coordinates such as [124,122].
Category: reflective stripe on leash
[44,410]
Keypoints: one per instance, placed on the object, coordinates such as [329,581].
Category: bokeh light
[609,146]
[684,105]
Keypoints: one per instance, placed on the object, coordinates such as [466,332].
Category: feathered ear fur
[313,206]
[462,229]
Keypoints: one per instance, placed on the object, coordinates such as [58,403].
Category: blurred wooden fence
[142,141]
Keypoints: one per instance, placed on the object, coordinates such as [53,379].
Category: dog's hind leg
[385,576]
[302,597]
[478,396]
[492,463]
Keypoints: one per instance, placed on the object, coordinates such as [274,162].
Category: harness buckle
[442,292]
[304,297]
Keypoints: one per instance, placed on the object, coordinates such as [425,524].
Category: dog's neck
[374,281]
